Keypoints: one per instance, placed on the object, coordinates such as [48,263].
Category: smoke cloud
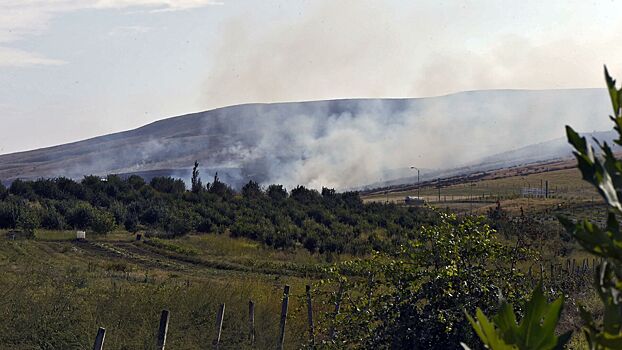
[349,143]
[357,48]
[353,49]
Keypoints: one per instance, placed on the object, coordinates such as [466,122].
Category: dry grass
[112,282]
[565,186]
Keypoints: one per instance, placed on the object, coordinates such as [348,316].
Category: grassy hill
[303,143]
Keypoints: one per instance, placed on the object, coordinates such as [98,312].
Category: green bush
[415,298]
[101,221]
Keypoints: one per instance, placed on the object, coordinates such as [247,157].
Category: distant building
[414,200]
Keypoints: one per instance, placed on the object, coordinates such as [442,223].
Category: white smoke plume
[348,49]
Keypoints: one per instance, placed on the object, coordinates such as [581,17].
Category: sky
[73,69]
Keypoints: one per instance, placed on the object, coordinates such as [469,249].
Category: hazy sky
[72,69]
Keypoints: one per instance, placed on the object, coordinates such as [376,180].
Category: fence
[165,319]
[556,272]
[564,275]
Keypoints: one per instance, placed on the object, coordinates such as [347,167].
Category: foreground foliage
[535,331]
[605,174]
[414,298]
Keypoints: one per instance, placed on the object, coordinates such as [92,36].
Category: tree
[22,188]
[46,188]
[421,292]
[28,220]
[136,182]
[220,188]
[197,185]
[276,192]
[251,190]
[101,221]
[3,191]
[168,185]
[51,219]
[70,188]
[79,216]
[305,196]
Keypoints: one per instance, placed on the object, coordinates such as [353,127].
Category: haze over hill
[548,151]
[337,143]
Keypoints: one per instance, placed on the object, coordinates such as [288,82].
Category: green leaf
[578,142]
[535,331]
[614,93]
[528,328]
[506,320]
[487,332]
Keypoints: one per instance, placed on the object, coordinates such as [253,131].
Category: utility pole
[418,188]
[439,189]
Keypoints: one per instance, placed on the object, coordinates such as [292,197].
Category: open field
[121,284]
[260,240]
[476,196]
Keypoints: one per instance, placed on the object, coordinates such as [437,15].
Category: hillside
[315,143]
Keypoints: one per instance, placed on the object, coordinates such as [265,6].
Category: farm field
[566,188]
[121,284]
[153,246]
[260,240]
[121,280]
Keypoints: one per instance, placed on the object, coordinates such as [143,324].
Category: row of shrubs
[320,221]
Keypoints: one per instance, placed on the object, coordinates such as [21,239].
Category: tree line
[323,221]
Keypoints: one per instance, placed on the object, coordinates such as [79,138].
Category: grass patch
[52,235]
[167,245]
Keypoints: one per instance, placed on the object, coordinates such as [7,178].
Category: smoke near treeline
[339,143]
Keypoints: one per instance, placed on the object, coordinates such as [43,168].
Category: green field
[121,284]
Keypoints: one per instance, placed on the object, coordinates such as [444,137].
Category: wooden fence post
[99,339]
[337,307]
[310,316]
[283,316]
[219,317]
[251,322]
[163,329]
